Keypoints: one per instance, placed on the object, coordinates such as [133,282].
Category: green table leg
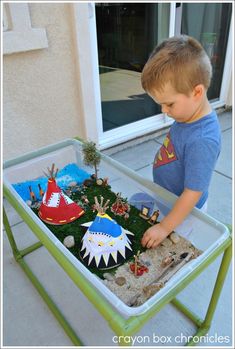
[204,328]
[18,255]
[16,252]
[119,325]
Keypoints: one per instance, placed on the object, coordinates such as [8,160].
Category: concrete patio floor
[27,320]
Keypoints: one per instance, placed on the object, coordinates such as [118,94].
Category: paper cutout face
[57,208]
[105,244]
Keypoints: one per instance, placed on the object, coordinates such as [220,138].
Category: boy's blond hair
[181,61]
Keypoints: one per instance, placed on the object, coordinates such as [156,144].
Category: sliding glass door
[126,34]
[209,23]
[122,37]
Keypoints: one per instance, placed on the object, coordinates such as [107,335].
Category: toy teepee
[105,244]
[57,208]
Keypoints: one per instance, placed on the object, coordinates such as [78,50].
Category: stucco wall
[41,88]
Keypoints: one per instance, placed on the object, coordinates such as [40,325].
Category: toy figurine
[144,212]
[32,195]
[153,219]
[41,192]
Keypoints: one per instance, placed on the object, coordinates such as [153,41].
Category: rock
[99,181]
[108,276]
[120,281]
[150,290]
[166,243]
[166,261]
[36,204]
[175,238]
[69,241]
[72,184]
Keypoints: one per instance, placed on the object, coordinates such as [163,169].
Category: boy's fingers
[149,243]
[143,242]
[144,239]
[155,244]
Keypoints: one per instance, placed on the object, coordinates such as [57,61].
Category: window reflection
[209,23]
[127,33]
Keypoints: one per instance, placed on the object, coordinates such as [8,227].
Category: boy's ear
[198,91]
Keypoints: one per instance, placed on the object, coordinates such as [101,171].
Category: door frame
[88,74]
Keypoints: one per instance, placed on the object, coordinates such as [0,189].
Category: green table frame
[121,326]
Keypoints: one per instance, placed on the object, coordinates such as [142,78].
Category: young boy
[177,76]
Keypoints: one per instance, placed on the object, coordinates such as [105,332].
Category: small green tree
[90,156]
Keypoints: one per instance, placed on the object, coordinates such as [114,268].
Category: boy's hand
[154,236]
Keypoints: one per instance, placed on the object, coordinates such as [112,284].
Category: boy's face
[178,106]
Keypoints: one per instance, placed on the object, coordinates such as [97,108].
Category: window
[18,35]
[114,41]
[211,27]
[126,35]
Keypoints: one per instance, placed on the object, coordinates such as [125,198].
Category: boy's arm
[183,206]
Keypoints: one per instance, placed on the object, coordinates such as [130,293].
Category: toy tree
[91,157]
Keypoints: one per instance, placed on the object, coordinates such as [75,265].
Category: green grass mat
[134,223]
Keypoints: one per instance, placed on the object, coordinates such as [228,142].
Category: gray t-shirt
[188,156]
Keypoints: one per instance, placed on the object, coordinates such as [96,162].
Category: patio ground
[27,320]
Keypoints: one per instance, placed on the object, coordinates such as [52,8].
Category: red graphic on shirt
[166,153]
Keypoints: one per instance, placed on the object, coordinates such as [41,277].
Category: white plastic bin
[208,234]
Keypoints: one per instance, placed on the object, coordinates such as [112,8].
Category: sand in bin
[136,290]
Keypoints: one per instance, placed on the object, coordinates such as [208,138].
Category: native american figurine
[56,207]
[105,244]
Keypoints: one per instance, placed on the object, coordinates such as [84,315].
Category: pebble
[166,261]
[36,205]
[120,281]
[167,242]
[108,276]
[69,241]
[175,238]
[72,184]
[99,182]
[150,290]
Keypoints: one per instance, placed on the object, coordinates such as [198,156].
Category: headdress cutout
[105,244]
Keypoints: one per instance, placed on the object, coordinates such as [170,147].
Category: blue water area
[106,226]
[70,173]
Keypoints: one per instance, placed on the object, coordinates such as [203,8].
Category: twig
[155,286]
[178,266]
[136,261]
[52,169]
